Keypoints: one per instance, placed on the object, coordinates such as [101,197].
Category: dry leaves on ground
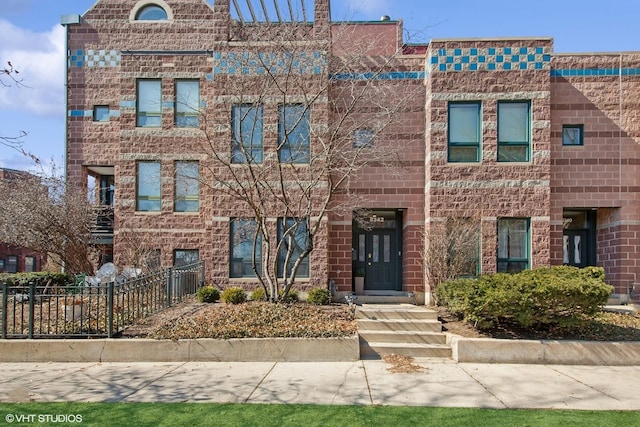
[402,364]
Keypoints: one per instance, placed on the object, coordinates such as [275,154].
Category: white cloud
[40,59]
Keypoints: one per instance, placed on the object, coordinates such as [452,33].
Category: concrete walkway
[364,382]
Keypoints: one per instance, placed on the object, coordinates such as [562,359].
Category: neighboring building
[542,148]
[15,259]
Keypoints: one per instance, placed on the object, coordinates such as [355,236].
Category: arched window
[151,12]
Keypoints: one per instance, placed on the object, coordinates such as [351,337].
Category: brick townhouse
[542,148]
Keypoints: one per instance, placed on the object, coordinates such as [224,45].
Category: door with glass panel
[381,260]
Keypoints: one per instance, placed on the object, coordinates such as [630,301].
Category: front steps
[402,329]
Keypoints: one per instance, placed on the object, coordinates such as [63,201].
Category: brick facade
[109,52]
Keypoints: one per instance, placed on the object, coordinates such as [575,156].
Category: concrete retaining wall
[200,350]
[546,352]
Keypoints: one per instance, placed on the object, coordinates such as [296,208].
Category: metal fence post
[169,285]
[32,307]
[202,273]
[110,287]
[5,300]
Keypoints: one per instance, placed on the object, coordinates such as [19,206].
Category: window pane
[187,103]
[518,153]
[294,236]
[243,233]
[362,138]
[29,264]
[149,103]
[463,154]
[513,244]
[187,191]
[151,13]
[513,122]
[572,135]
[148,187]
[183,257]
[464,123]
[293,134]
[12,264]
[247,133]
[101,113]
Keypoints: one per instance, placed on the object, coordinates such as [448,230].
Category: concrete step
[375,350]
[382,312]
[403,337]
[415,325]
[384,299]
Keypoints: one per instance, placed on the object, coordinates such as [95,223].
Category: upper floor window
[187,103]
[149,103]
[148,187]
[187,187]
[100,113]
[294,133]
[363,138]
[514,130]
[151,12]
[464,132]
[572,135]
[246,145]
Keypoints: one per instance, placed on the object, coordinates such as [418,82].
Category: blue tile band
[489,59]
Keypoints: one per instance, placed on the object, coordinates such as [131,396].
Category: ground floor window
[185,257]
[29,264]
[294,235]
[513,244]
[245,246]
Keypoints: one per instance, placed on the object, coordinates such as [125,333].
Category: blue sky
[32,38]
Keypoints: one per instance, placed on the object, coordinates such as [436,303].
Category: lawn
[210,414]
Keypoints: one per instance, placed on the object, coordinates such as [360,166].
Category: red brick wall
[602,173]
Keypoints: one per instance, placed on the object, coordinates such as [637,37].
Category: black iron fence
[86,309]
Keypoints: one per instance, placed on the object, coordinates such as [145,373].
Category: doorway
[579,238]
[377,250]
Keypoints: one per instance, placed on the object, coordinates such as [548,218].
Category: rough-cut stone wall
[600,92]
[489,71]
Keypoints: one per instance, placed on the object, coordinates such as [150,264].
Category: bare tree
[45,214]
[306,117]
[451,249]
[9,77]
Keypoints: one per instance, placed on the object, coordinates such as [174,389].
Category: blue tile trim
[95,58]
[594,72]
[490,59]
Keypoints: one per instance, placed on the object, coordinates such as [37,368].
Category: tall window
[148,187]
[362,138]
[246,146]
[294,133]
[187,187]
[464,132]
[183,257]
[12,264]
[572,135]
[149,103]
[294,235]
[513,244]
[187,103]
[29,264]
[245,244]
[514,130]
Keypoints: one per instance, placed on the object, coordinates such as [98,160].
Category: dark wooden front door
[381,260]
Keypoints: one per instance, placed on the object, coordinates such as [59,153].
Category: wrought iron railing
[87,309]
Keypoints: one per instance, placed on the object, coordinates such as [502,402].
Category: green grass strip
[213,414]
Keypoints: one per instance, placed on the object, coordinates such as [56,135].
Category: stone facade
[419,184]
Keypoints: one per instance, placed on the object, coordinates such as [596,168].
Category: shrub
[292,296]
[258,294]
[559,295]
[208,294]
[233,295]
[319,296]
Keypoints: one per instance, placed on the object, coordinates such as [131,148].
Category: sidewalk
[364,382]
